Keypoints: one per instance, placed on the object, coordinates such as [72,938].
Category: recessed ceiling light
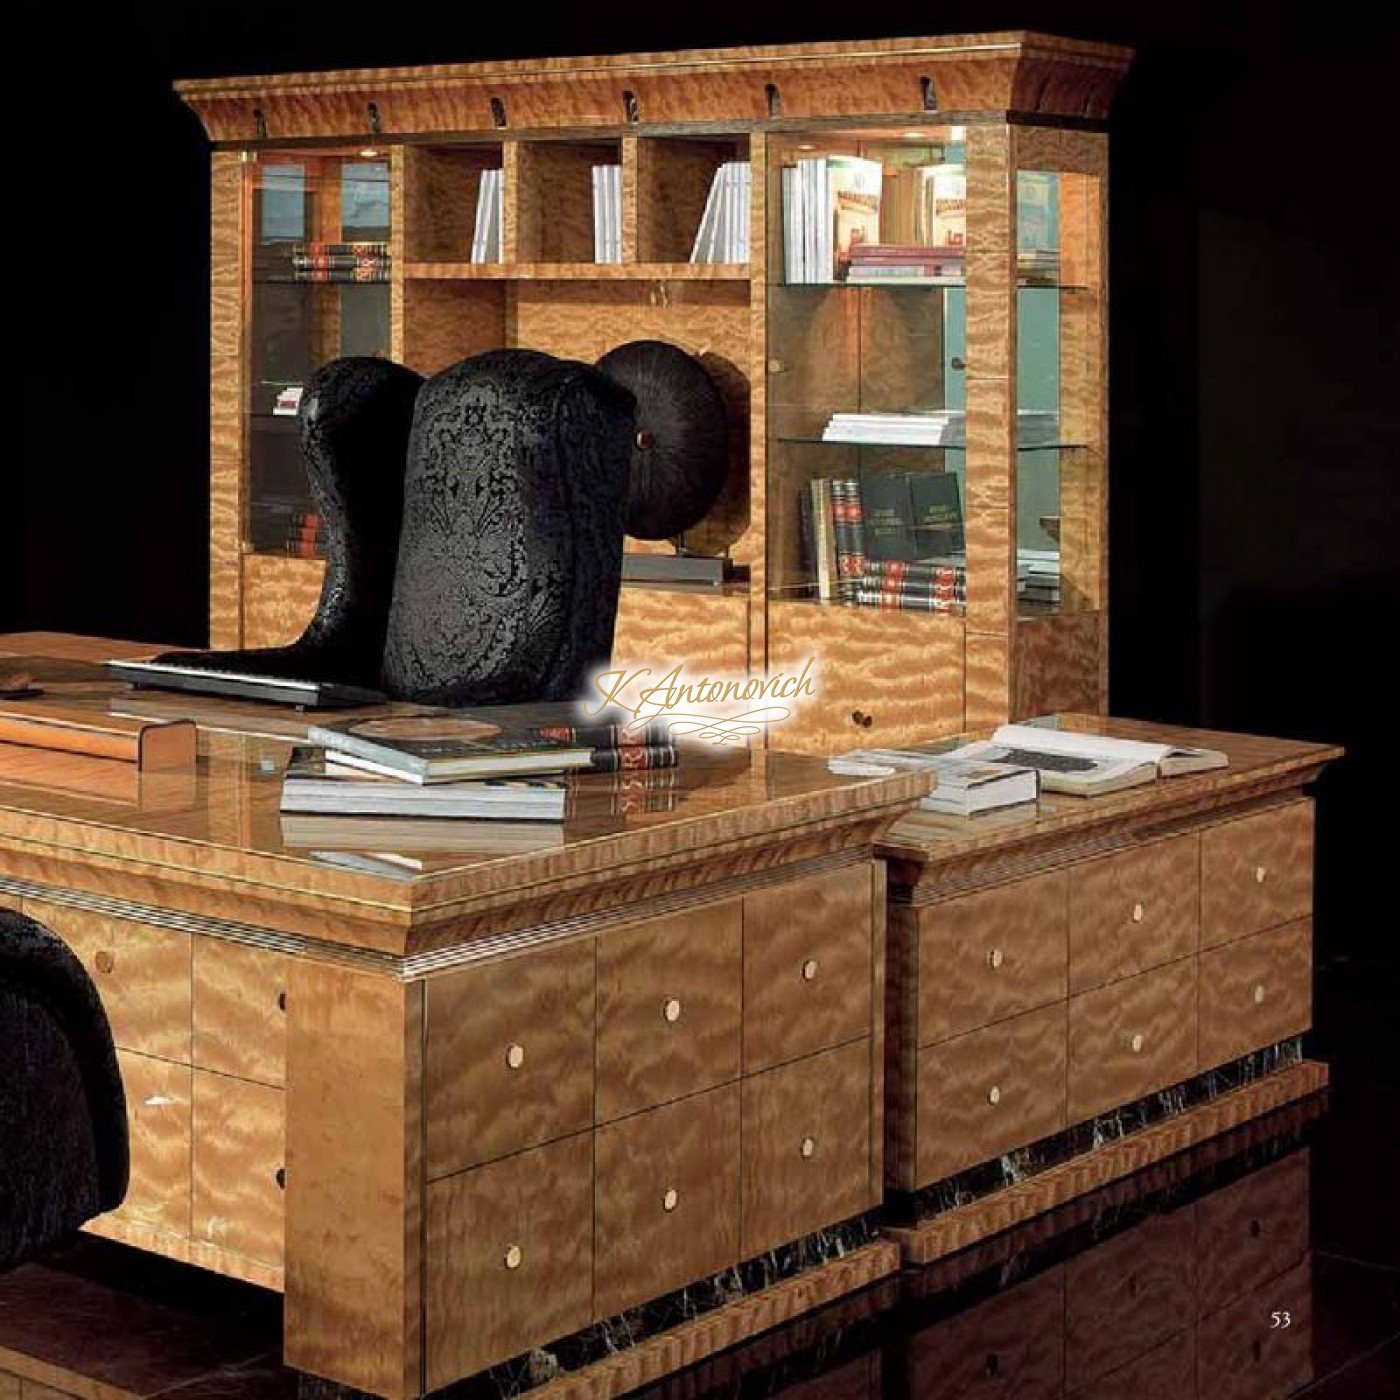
[913,135]
[806,146]
[368,152]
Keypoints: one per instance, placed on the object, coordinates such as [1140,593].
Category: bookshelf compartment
[549,200]
[673,179]
[444,322]
[441,186]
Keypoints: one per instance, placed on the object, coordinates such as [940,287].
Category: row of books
[490,217]
[935,428]
[723,235]
[607,213]
[514,763]
[365,261]
[306,535]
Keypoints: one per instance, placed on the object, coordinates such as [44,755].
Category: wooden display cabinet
[398,157]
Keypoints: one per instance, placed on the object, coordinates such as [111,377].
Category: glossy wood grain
[1256,872]
[279,598]
[1241,1355]
[987,956]
[666,1199]
[239,1166]
[509,1257]
[1255,991]
[989,1091]
[509,1056]
[1133,911]
[807,966]
[240,1010]
[159,1104]
[1131,1037]
[708,631]
[669,1008]
[806,1152]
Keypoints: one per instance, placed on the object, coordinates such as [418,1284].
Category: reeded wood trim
[186,1251]
[964,1225]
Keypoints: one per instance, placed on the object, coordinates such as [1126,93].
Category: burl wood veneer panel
[807,966]
[708,632]
[990,1091]
[1133,911]
[1255,991]
[666,1199]
[509,1257]
[159,1101]
[1256,872]
[1241,1355]
[142,975]
[1131,1037]
[669,1014]
[240,1011]
[509,1056]
[806,1149]
[239,1166]
[1167,1372]
[901,670]
[354,1171]
[986,956]
[279,598]
[1056,665]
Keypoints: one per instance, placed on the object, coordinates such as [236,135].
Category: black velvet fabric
[63,1135]
[355,417]
[510,557]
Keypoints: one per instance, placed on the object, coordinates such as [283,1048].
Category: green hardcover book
[889,518]
[937,510]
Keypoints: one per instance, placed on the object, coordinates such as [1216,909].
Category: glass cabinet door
[320,268]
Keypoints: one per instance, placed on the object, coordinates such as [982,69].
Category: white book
[615,213]
[744,176]
[498,214]
[730,237]
[698,251]
[483,217]
[598,238]
[809,220]
[789,225]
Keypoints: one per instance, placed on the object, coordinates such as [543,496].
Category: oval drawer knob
[994,1095]
[105,961]
[671,1199]
[809,1148]
[995,958]
[1258,994]
[861,719]
[1261,874]
[671,1010]
[280,1177]
[514,1256]
[809,970]
[515,1056]
[282,1002]
[1137,1042]
[1139,912]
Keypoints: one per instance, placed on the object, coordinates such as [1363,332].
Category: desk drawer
[669,1008]
[1133,911]
[1242,1355]
[159,1096]
[509,1257]
[1251,1231]
[142,975]
[986,956]
[239,1166]
[667,1199]
[1131,1038]
[240,1011]
[1255,992]
[807,953]
[806,1148]
[1256,872]
[990,1091]
[509,1056]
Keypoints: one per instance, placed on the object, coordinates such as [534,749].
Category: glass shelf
[798,440]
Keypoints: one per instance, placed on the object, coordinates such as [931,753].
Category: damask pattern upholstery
[510,556]
[63,1127]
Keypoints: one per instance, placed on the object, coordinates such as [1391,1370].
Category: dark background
[1255,462]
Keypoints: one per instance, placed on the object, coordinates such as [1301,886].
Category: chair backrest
[510,555]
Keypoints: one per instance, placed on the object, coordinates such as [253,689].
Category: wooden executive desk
[464,1110]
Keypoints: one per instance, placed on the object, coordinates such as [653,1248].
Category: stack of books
[966,785]
[830,204]
[607,213]
[340,262]
[306,535]
[723,235]
[1038,576]
[490,207]
[907,264]
[513,763]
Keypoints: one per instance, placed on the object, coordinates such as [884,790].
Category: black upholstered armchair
[63,1134]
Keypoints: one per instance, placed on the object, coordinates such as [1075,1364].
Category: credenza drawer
[159,1095]
[806,1146]
[1251,1231]
[1260,1345]
[1255,992]
[669,995]
[807,951]
[989,1091]
[240,1011]
[509,1059]
[1133,911]
[1131,1037]
[509,1257]
[142,975]
[239,1166]
[667,1199]
[1167,1372]
[1256,872]
[1128,1294]
[990,955]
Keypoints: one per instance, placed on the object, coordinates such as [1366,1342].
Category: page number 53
[1280,1319]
